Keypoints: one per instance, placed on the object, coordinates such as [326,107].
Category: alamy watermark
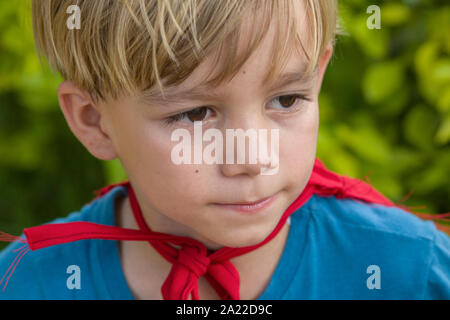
[374,280]
[184,153]
[74,280]
[374,20]
[74,20]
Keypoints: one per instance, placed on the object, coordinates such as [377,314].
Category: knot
[193,260]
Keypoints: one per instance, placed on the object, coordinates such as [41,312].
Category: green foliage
[384,108]
[385,101]
[44,171]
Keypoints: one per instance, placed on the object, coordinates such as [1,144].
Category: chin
[242,238]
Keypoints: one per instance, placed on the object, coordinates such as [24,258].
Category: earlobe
[84,119]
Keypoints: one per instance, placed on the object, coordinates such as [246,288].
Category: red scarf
[193,260]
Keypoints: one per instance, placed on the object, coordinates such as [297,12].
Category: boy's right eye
[197,114]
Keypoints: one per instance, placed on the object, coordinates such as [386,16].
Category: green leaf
[387,185]
[394,14]
[425,57]
[383,80]
[419,127]
[443,103]
[395,104]
[343,163]
[405,160]
[443,134]
[114,171]
[366,142]
[441,71]
[430,178]
[374,43]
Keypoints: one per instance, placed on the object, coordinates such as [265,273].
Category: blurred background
[384,112]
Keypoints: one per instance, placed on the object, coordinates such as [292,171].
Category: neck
[255,267]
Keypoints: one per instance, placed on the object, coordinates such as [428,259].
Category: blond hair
[128,46]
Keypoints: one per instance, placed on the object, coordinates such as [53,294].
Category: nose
[251,170]
[248,153]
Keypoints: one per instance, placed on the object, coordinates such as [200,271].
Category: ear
[323,63]
[85,120]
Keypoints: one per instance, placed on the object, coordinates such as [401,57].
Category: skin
[181,200]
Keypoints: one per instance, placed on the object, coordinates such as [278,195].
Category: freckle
[244,72]
[196,171]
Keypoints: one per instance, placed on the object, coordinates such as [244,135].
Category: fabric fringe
[21,251]
[439,219]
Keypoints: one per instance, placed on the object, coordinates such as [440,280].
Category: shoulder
[370,217]
[43,273]
[346,238]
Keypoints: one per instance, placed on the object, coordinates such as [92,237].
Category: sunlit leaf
[366,142]
[443,134]
[395,13]
[382,80]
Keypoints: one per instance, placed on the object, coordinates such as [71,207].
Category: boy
[137,71]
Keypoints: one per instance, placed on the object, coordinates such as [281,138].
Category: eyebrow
[203,91]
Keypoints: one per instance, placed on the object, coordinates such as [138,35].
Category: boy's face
[188,199]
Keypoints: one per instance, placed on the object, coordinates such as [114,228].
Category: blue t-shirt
[336,249]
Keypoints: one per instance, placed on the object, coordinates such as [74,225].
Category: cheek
[147,161]
[298,145]
[143,151]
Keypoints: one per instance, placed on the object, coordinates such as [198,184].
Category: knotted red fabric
[192,260]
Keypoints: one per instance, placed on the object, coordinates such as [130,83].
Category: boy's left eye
[290,101]
[201,113]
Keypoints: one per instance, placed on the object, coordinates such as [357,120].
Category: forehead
[259,62]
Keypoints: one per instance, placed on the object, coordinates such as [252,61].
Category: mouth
[248,206]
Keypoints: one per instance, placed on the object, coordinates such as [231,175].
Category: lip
[249,207]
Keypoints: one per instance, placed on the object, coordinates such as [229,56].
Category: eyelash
[180,116]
